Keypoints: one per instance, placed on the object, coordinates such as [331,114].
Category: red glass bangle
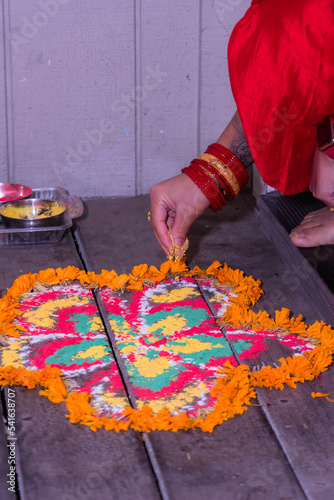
[206,185]
[234,163]
[208,181]
[207,190]
[225,188]
[221,157]
[239,170]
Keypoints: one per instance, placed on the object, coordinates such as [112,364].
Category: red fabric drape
[281,65]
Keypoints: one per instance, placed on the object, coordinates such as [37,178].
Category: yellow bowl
[33,213]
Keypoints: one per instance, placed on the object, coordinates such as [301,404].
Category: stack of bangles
[219,174]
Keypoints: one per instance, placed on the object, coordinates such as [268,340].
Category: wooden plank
[305,440]
[57,459]
[111,228]
[4,465]
[241,458]
[313,266]
[70,461]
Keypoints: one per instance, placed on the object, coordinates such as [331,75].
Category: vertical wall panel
[110,97]
[168,114]
[73,94]
[216,101]
[3,123]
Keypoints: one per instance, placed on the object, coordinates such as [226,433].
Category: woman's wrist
[234,139]
[219,174]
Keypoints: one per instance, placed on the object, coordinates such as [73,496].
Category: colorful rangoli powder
[181,357]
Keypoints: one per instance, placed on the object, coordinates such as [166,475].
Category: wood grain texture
[70,462]
[57,459]
[313,267]
[113,228]
[4,466]
[242,458]
[73,95]
[303,425]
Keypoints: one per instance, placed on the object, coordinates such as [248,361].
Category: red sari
[281,64]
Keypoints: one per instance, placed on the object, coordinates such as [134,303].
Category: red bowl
[11,192]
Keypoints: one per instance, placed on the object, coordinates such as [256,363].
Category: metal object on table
[33,213]
[42,235]
[11,192]
[73,203]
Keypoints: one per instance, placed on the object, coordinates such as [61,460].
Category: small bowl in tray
[33,213]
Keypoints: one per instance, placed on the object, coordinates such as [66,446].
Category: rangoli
[171,360]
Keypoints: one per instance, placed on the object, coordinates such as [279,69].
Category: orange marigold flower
[213,269]
[69,273]
[134,285]
[320,394]
[78,406]
[165,267]
[119,282]
[109,276]
[55,390]
[48,276]
[155,275]
[178,267]
[21,285]
[138,272]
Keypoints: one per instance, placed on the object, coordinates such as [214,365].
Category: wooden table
[282,449]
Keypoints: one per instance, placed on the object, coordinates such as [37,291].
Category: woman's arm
[177,202]
[233,138]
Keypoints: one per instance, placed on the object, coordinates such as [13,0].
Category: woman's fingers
[175,205]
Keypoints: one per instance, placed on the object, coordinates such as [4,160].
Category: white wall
[107,97]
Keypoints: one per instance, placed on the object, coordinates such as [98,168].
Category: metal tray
[10,236]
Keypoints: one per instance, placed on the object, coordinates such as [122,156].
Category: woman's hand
[322,178]
[175,204]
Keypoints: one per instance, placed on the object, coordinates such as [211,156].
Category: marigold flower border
[234,390]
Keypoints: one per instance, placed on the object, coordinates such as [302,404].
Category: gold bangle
[223,170]
[331,209]
[214,180]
